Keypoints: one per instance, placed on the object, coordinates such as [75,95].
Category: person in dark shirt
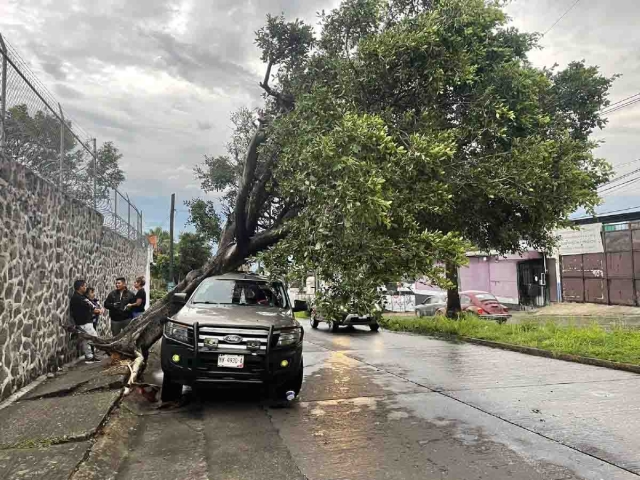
[82,312]
[91,295]
[139,303]
[116,303]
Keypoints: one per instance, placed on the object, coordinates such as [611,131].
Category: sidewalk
[49,431]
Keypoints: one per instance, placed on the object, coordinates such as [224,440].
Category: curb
[596,362]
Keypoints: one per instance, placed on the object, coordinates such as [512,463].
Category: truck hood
[236,315]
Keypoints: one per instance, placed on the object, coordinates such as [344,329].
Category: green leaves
[409,130]
[205,219]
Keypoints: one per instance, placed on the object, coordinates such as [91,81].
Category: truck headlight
[177,332]
[289,337]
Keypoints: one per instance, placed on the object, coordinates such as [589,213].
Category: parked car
[431,304]
[346,319]
[235,329]
[483,304]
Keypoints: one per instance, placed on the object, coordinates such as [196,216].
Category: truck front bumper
[186,366]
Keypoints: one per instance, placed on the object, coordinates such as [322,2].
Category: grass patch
[618,344]
[301,315]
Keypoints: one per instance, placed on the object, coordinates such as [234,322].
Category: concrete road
[394,406]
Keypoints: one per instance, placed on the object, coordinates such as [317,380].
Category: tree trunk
[453,297]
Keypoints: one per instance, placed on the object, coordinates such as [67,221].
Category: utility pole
[171,219]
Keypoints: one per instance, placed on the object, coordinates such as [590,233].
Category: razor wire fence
[36,132]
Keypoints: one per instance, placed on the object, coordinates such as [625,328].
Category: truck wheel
[333,326]
[294,384]
[374,327]
[314,322]
[171,391]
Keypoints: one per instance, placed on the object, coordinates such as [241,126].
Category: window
[436,299]
[241,292]
[464,300]
[485,296]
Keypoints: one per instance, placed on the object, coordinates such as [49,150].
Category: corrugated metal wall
[612,277]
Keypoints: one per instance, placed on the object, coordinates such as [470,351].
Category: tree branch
[246,183]
[283,101]
[259,196]
[265,83]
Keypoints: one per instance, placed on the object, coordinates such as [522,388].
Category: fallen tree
[386,146]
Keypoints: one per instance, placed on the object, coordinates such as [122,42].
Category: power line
[623,100]
[561,17]
[608,111]
[607,213]
[616,188]
[610,183]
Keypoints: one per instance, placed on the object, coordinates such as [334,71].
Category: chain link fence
[36,132]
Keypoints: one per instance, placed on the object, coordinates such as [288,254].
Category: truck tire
[293,384]
[333,326]
[374,327]
[313,321]
[171,391]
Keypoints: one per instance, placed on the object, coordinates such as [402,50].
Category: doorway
[532,283]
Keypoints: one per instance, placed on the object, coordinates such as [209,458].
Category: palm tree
[163,240]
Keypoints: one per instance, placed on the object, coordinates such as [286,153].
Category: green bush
[156,295]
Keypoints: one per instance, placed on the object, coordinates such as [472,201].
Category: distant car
[483,304]
[346,319]
[431,304]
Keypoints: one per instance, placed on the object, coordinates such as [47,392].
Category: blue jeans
[137,314]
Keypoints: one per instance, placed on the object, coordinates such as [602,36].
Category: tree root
[135,369]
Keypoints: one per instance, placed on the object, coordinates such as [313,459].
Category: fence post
[95,176]
[128,218]
[61,146]
[115,209]
[3,93]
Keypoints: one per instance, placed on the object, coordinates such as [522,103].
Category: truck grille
[248,336]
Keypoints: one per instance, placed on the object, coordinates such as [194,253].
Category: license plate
[231,361]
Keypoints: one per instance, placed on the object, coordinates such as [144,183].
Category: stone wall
[47,241]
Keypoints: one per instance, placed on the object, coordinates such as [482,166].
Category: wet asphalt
[397,406]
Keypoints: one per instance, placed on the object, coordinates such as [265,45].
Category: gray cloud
[67,92]
[160,77]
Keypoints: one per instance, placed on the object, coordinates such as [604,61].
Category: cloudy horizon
[160,78]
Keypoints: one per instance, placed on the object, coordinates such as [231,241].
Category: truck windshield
[241,292]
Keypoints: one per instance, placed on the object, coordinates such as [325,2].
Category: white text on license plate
[231,361]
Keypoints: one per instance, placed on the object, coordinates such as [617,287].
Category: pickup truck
[235,329]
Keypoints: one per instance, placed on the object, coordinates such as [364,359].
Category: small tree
[193,252]
[33,140]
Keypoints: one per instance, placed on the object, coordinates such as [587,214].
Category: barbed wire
[37,132]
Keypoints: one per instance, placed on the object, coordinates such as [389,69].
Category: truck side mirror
[300,306]
[180,298]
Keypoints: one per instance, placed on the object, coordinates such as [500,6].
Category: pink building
[513,279]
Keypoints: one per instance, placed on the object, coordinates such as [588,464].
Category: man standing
[82,311]
[116,303]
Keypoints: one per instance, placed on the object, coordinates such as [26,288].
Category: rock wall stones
[47,241]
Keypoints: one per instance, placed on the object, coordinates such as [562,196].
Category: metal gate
[612,277]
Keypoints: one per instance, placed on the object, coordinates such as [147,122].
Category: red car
[483,304]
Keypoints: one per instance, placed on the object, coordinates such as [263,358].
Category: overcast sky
[159,78]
